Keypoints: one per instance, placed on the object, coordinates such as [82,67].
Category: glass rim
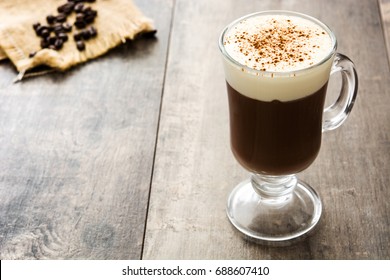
[277,12]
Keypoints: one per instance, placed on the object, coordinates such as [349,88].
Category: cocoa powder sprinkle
[278,42]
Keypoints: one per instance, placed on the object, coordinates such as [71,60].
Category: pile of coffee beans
[55,33]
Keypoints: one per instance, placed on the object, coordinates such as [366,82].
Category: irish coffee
[276,137]
[277,66]
[276,98]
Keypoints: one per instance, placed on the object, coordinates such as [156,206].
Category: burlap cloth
[117,20]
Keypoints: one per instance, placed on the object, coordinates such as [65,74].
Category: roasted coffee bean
[59,31]
[89,19]
[58,28]
[87,10]
[63,37]
[39,30]
[92,13]
[80,24]
[80,17]
[51,40]
[80,45]
[44,43]
[66,27]
[86,34]
[66,8]
[61,18]
[58,44]
[71,7]
[60,9]
[45,33]
[50,19]
[92,30]
[36,25]
[79,7]
[78,36]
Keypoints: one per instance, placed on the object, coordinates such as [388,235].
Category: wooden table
[127,156]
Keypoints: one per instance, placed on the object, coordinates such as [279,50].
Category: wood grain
[385,13]
[195,170]
[77,149]
[77,152]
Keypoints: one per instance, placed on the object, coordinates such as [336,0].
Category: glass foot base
[280,222]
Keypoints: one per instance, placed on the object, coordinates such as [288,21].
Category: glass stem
[274,189]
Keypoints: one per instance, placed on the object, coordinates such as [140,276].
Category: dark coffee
[276,138]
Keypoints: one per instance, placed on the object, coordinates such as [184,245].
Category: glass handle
[337,113]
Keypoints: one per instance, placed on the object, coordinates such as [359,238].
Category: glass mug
[277,117]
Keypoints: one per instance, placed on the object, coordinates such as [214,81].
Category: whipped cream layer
[271,53]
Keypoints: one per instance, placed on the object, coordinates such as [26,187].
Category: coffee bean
[92,30]
[45,33]
[50,19]
[44,43]
[86,10]
[70,6]
[85,34]
[80,24]
[67,27]
[39,30]
[80,45]
[61,18]
[77,36]
[36,25]
[66,8]
[93,13]
[63,37]
[79,7]
[59,31]
[58,28]
[60,9]
[51,40]
[89,19]
[58,44]
[90,15]
[80,17]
